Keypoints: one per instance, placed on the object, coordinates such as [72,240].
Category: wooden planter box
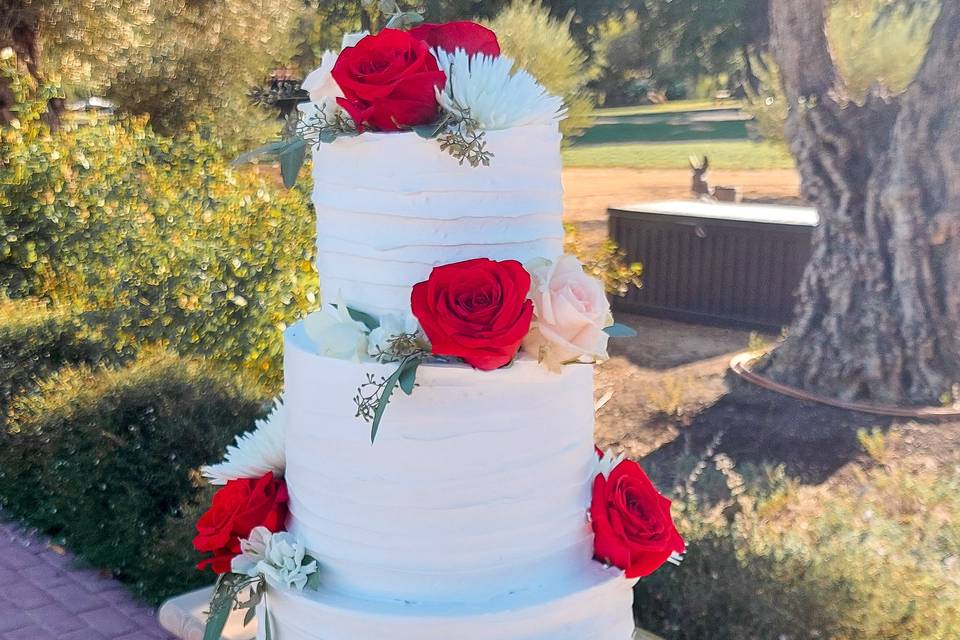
[715,263]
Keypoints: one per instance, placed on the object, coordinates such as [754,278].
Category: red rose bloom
[631,522]
[237,508]
[389,81]
[469,36]
[476,310]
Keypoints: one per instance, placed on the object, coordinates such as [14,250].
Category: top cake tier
[391,206]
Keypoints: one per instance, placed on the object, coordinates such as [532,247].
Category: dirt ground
[666,396]
[588,192]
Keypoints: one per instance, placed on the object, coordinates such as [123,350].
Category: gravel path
[45,596]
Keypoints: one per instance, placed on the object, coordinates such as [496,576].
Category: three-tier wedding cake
[430,472]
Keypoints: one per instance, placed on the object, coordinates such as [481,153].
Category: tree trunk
[19,30]
[878,312]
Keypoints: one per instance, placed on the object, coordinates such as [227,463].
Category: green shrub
[872,557]
[543,46]
[606,262]
[107,459]
[36,340]
[159,235]
[876,40]
[167,567]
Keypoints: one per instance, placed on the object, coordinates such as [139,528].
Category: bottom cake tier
[596,606]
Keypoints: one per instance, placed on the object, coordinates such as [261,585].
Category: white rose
[336,334]
[571,311]
[391,326]
[253,551]
[351,39]
[284,562]
[321,86]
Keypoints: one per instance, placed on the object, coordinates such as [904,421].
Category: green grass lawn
[724,154]
[669,107]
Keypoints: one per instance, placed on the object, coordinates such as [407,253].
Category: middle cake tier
[477,485]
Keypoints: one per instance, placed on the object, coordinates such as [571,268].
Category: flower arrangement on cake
[244,528]
[480,312]
[447,82]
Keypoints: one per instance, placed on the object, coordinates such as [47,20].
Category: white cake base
[596,607]
[184,616]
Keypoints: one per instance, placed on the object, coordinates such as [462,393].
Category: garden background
[145,281]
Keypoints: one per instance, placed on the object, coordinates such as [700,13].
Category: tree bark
[19,31]
[878,312]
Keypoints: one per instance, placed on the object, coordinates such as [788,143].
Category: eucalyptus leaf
[292,158]
[366,319]
[428,131]
[405,20]
[313,582]
[216,621]
[408,374]
[388,386]
[327,136]
[620,331]
[267,627]
[250,156]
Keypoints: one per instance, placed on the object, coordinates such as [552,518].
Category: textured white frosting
[596,606]
[477,486]
[392,206]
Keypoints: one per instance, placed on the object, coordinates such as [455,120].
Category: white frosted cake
[430,473]
[467,518]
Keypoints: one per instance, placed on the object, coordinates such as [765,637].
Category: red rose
[631,522]
[476,310]
[237,508]
[389,81]
[469,36]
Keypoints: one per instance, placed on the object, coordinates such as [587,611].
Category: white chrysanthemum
[253,551]
[607,463]
[284,562]
[494,94]
[254,453]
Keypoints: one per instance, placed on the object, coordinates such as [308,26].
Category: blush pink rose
[571,311]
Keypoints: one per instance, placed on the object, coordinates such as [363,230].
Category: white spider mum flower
[493,93]
[607,463]
[254,453]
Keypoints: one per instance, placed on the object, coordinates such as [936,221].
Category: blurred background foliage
[159,236]
[544,46]
[875,42]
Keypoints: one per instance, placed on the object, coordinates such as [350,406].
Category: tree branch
[798,29]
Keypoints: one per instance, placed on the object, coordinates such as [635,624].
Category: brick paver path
[45,596]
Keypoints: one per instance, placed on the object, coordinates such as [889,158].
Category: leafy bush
[606,262]
[158,234]
[876,40]
[106,459]
[872,41]
[869,558]
[543,46]
[768,104]
[35,340]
